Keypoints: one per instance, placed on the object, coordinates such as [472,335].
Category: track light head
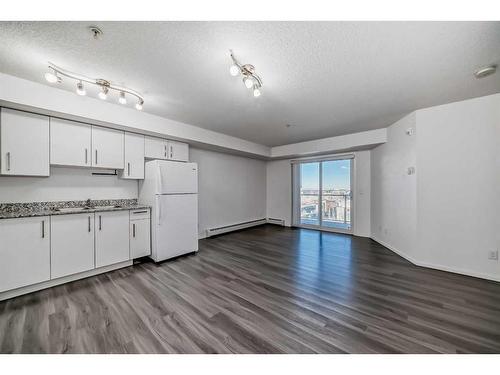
[234,70]
[139,104]
[80,90]
[256,91]
[122,98]
[248,82]
[52,77]
[103,94]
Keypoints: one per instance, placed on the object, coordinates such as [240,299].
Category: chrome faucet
[88,203]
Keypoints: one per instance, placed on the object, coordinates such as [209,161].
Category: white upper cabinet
[111,238]
[134,157]
[24,252]
[107,148]
[24,143]
[72,244]
[70,143]
[178,151]
[159,148]
[155,148]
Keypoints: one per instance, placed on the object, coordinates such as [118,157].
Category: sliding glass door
[325,195]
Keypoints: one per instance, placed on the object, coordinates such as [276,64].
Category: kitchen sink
[70,209]
[76,209]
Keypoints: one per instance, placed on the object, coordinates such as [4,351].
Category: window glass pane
[336,194]
[309,193]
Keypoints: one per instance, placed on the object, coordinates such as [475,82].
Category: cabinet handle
[8,161]
[86,156]
[171,152]
[96,157]
[139,212]
[133,230]
[100,222]
[89,224]
[165,150]
[43,228]
[128,168]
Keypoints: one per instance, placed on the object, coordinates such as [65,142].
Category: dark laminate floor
[264,290]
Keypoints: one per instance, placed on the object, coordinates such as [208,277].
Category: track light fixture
[54,76]
[250,78]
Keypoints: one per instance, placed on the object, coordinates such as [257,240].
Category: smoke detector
[96,32]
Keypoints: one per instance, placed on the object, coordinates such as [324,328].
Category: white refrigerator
[171,189]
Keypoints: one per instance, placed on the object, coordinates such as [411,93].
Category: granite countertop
[18,210]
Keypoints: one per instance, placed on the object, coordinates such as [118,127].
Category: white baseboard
[434,266]
[62,280]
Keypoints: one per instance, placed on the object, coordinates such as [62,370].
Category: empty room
[249,187]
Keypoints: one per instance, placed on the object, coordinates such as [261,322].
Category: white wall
[393,191]
[355,141]
[232,189]
[279,192]
[458,188]
[362,193]
[65,184]
[447,215]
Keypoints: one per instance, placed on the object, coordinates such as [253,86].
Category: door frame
[296,194]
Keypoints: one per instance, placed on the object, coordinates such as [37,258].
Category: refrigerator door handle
[159,180]
[158,209]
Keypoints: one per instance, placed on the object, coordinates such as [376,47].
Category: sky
[336,175]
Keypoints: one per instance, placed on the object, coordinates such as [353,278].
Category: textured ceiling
[323,78]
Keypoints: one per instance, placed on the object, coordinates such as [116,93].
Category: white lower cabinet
[111,238]
[24,252]
[140,234]
[72,244]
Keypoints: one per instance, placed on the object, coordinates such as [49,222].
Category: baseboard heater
[233,227]
[271,220]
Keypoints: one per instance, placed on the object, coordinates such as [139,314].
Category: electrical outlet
[493,255]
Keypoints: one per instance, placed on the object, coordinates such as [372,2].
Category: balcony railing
[337,216]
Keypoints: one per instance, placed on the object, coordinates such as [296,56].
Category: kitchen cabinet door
[178,151]
[111,237]
[24,252]
[72,244]
[107,148]
[24,143]
[155,148]
[70,143]
[140,243]
[134,157]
